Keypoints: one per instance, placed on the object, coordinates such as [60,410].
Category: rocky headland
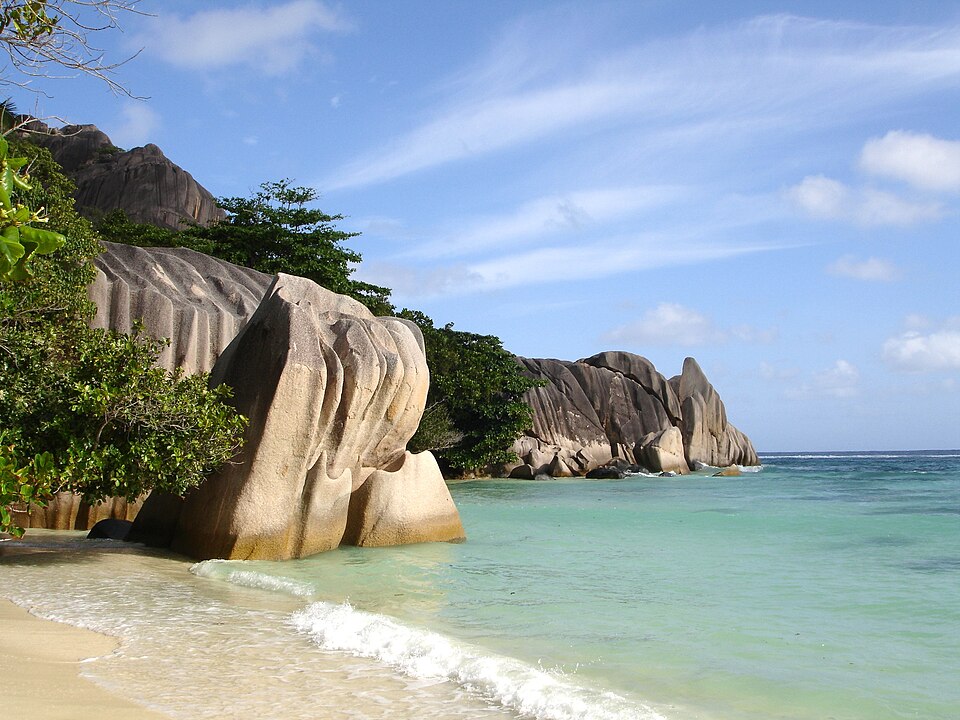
[615,409]
[333,393]
[142,182]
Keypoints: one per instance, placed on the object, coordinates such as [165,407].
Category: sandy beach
[42,670]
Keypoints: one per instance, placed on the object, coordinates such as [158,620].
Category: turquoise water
[825,586]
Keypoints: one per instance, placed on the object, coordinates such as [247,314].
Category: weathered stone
[559,469]
[707,436]
[409,504]
[732,471]
[663,451]
[522,472]
[612,405]
[68,511]
[198,302]
[607,472]
[110,529]
[142,182]
[333,394]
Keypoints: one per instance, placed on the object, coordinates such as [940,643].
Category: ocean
[826,585]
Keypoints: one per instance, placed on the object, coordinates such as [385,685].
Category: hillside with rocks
[142,182]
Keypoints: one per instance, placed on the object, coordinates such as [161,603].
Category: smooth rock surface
[333,394]
[200,303]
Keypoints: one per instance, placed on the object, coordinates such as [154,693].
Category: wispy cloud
[674,324]
[924,161]
[870,269]
[581,212]
[779,72]
[270,40]
[138,125]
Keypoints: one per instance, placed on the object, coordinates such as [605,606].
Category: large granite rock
[707,436]
[615,407]
[142,182]
[198,302]
[333,394]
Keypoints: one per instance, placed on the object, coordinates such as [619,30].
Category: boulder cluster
[332,395]
[615,409]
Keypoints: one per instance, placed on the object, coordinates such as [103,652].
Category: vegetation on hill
[87,410]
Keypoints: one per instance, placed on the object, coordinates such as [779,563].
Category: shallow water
[822,587]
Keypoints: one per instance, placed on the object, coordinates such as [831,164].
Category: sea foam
[223,570]
[529,691]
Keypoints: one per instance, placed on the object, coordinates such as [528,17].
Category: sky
[772,188]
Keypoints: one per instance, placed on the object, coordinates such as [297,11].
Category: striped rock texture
[616,406]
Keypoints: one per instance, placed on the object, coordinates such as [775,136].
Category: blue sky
[772,188]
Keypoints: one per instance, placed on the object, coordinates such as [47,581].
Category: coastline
[42,671]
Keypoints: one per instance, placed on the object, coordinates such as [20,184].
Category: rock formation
[333,394]
[142,182]
[616,407]
[198,302]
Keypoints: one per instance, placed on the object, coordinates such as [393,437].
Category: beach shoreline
[43,679]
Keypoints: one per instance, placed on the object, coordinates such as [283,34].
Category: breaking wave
[529,691]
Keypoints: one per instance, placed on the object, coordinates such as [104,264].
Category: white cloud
[554,215]
[828,199]
[842,380]
[138,126]
[335,101]
[673,324]
[407,281]
[771,74]
[273,39]
[914,351]
[924,161]
[821,197]
[872,269]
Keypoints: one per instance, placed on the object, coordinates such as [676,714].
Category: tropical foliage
[88,410]
[478,388]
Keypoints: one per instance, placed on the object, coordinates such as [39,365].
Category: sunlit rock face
[333,394]
[198,302]
[616,407]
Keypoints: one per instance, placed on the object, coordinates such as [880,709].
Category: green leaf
[46,240]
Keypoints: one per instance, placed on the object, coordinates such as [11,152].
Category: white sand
[42,663]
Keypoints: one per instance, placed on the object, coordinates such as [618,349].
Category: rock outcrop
[333,394]
[615,407]
[198,302]
[142,182]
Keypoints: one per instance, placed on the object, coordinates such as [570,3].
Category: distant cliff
[615,406]
[142,182]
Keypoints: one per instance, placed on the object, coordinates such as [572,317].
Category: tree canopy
[478,387]
[44,37]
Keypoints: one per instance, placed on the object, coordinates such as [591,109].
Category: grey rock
[606,473]
[615,407]
[142,182]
